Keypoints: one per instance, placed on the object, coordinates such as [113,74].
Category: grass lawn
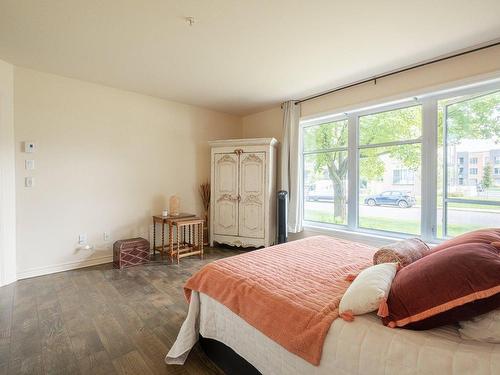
[388,224]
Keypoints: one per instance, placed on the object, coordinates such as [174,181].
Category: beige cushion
[370,288]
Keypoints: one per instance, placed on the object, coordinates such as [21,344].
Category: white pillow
[485,328]
[370,288]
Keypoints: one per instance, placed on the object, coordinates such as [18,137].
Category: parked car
[403,199]
[320,191]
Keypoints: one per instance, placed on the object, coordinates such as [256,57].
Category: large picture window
[426,166]
[469,131]
[390,143]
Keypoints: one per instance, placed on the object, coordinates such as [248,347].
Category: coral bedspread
[289,292]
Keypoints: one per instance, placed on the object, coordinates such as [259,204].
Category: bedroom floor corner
[99,320]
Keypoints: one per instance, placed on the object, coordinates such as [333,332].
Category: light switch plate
[82,238]
[29,164]
[29,181]
[29,147]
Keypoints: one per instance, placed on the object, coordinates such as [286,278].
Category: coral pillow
[488,235]
[402,252]
[457,283]
[368,290]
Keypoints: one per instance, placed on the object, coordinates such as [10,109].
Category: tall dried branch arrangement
[205,195]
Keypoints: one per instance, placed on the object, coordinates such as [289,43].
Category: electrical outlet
[82,238]
[106,236]
[29,182]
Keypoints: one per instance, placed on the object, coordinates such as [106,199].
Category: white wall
[7,187]
[264,124]
[106,160]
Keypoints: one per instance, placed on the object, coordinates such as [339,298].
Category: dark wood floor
[99,320]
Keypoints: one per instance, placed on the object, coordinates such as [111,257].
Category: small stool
[189,238]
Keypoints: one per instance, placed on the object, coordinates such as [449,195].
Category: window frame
[429,148]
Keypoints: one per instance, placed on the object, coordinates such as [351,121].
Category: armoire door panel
[227,215]
[226,173]
[252,194]
[226,194]
[252,217]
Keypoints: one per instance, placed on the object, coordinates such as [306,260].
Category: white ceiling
[240,56]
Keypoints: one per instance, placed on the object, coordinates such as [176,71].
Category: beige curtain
[291,164]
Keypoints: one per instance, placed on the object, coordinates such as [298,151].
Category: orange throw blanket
[289,292]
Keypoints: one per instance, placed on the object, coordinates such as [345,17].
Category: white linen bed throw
[188,334]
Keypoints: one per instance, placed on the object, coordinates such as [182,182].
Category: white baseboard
[67,266]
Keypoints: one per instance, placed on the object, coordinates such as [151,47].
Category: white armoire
[243,192]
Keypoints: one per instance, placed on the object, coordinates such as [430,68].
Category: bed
[364,346]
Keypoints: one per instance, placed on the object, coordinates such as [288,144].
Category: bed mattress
[364,346]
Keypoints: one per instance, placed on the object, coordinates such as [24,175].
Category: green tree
[323,138]
[476,117]
[487,180]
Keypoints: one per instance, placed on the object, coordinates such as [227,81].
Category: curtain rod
[410,67]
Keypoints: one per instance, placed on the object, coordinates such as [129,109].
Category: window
[390,155]
[426,166]
[325,172]
[473,202]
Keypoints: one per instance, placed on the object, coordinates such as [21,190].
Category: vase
[174,205]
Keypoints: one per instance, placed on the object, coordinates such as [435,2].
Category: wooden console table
[166,220]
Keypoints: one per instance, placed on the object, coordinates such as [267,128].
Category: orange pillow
[445,287]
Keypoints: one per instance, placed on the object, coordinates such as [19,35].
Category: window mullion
[390,144]
[429,170]
[323,151]
[352,176]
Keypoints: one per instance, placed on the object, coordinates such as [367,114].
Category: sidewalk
[484,210]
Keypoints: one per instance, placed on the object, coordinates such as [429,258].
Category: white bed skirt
[364,346]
